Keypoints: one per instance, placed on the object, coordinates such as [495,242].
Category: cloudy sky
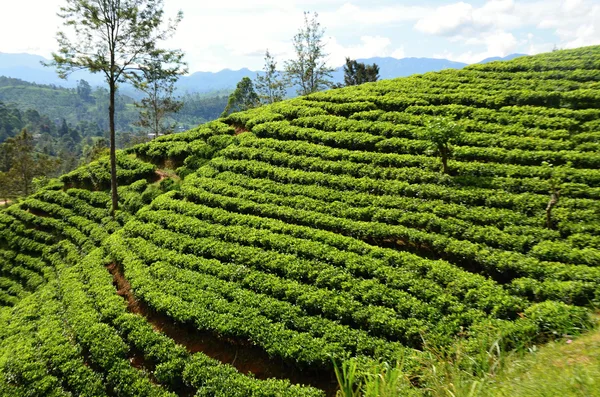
[235,33]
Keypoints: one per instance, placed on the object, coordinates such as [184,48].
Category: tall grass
[562,368]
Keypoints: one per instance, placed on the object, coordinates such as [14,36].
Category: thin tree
[113,37]
[243,98]
[270,86]
[157,81]
[309,70]
[441,134]
[356,73]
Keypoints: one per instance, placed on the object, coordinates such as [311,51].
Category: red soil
[241,354]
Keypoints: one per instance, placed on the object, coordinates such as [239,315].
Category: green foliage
[96,175]
[200,108]
[88,116]
[309,69]
[558,319]
[158,84]
[320,229]
[243,98]
[379,380]
[442,133]
[270,86]
[23,164]
[356,73]
[347,379]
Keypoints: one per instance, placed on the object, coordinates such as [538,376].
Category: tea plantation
[313,231]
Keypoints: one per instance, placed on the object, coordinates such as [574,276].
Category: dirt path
[161,175]
[244,356]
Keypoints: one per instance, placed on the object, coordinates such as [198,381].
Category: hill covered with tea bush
[316,230]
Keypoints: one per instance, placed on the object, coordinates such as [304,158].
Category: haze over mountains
[29,67]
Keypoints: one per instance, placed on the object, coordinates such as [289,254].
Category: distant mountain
[209,81]
[506,58]
[390,68]
[29,68]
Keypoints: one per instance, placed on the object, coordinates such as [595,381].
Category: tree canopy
[270,86]
[356,73]
[309,70]
[442,133]
[114,37]
[21,164]
[243,98]
[158,84]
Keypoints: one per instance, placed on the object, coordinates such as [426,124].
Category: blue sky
[235,33]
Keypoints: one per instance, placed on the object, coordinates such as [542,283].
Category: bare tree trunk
[155,110]
[113,156]
[553,201]
[444,153]
[445,163]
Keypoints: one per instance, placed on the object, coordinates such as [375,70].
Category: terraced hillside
[311,231]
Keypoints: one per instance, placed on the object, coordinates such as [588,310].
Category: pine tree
[64,129]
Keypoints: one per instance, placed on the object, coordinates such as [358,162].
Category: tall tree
[309,70]
[356,73]
[270,86]
[243,98]
[113,37]
[157,81]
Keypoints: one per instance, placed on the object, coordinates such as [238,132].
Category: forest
[69,127]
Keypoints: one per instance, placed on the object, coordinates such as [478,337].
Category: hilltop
[321,229]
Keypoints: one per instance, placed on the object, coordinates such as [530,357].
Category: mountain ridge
[28,67]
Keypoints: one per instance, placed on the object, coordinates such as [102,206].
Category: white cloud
[575,22]
[498,43]
[353,15]
[369,46]
[22,23]
[235,33]
[398,53]
[534,47]
[461,19]
[579,24]
[447,20]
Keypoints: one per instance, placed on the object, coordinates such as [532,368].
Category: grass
[566,367]
[562,368]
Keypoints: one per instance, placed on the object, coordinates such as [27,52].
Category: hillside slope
[310,231]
